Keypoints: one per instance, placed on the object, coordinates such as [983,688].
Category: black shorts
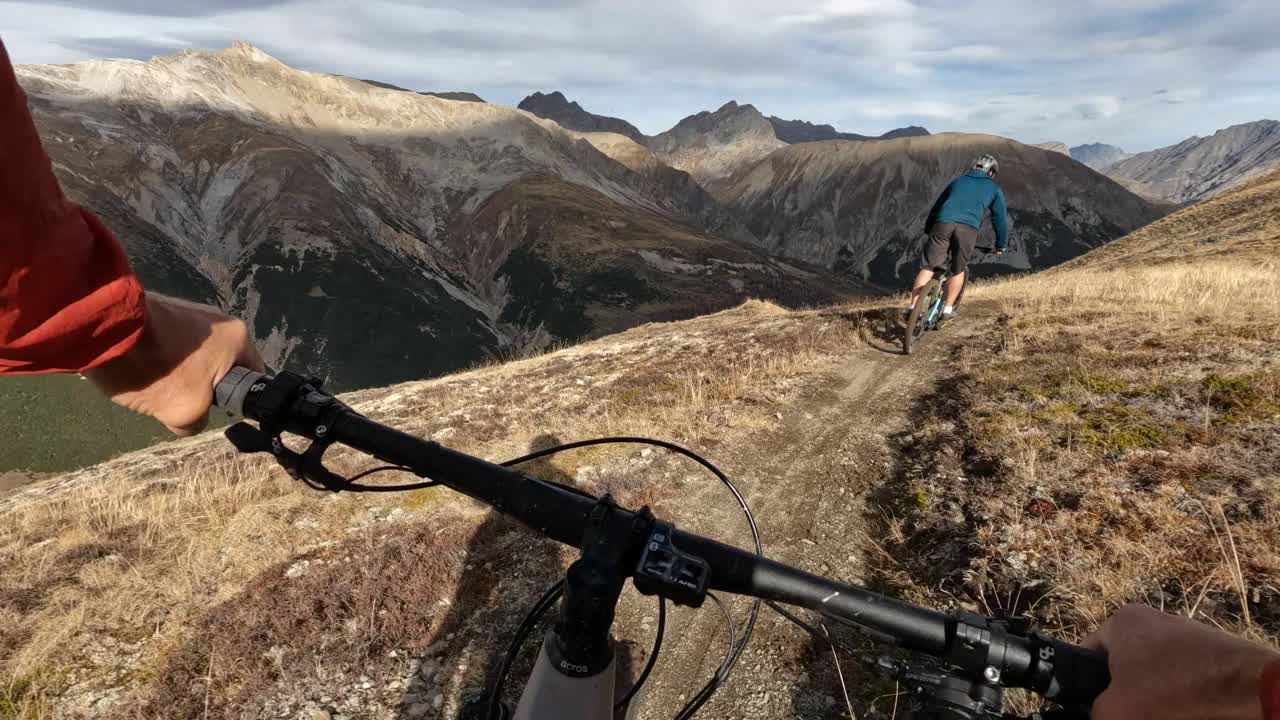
[955,239]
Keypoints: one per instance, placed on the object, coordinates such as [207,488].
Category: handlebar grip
[1080,674]
[230,392]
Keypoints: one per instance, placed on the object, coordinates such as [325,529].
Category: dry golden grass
[1229,294]
[1237,226]
[1116,438]
[107,583]
[135,562]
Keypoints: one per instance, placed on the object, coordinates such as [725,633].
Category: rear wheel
[917,321]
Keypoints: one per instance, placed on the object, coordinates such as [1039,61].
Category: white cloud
[845,9]
[1090,70]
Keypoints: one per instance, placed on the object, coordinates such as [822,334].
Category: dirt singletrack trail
[809,483]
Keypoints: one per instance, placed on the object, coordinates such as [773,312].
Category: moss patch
[1115,428]
[1241,399]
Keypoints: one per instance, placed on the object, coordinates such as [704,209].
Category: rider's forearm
[68,299]
[1000,221]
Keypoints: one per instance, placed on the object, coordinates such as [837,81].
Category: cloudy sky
[1138,73]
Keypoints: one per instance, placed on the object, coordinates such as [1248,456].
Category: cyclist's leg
[933,256]
[954,284]
[963,240]
[922,278]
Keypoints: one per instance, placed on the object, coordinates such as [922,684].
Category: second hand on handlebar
[1000,651]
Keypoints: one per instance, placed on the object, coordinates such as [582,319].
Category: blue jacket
[966,200]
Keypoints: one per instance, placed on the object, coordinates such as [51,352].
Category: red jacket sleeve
[68,299]
[1269,688]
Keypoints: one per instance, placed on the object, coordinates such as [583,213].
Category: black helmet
[988,164]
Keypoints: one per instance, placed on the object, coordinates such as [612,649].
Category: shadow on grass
[881,329]
[416,615]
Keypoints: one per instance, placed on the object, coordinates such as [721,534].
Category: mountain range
[340,218]
[1054,147]
[373,234]
[857,207]
[710,145]
[798,131]
[1195,169]
[1095,155]
[570,115]
[860,207]
[1201,167]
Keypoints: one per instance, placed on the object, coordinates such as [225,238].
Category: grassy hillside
[1131,413]
[1114,436]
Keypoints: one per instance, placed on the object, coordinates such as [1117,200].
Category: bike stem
[580,642]
[574,677]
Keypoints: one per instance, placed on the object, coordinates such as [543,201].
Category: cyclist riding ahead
[953,226]
[70,302]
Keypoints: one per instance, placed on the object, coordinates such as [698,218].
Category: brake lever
[307,466]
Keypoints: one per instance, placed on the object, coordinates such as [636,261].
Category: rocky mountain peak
[710,146]
[570,115]
[1098,155]
[731,120]
[249,51]
[1057,147]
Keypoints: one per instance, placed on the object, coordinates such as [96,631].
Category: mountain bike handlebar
[1003,651]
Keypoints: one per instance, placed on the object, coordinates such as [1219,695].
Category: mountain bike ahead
[975,658]
[927,313]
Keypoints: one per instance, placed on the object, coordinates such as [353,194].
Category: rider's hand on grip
[1166,666]
[1080,673]
[171,371]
